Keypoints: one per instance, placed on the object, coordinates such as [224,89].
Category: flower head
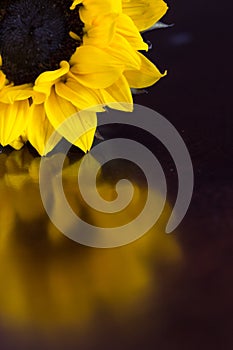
[59,57]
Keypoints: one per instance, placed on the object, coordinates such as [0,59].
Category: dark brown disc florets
[34,37]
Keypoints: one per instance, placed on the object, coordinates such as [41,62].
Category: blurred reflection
[50,282]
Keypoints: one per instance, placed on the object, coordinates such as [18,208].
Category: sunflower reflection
[49,282]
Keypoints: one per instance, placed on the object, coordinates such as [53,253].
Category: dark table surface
[162,291]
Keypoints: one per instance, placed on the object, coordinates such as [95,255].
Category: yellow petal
[79,128]
[75,3]
[144,13]
[95,68]
[39,130]
[87,120]
[46,80]
[2,79]
[93,8]
[11,93]
[38,97]
[118,96]
[18,143]
[80,96]
[146,76]
[13,121]
[127,28]
[122,51]
[101,31]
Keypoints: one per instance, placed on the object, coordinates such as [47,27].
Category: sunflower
[59,57]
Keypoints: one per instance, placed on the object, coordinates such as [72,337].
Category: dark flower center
[34,37]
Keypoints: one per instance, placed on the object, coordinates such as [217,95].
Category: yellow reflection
[50,282]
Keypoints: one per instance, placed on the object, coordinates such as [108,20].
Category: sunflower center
[34,37]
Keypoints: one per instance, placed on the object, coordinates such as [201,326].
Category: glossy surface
[162,291]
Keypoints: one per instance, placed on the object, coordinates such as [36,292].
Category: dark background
[196,97]
[194,308]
